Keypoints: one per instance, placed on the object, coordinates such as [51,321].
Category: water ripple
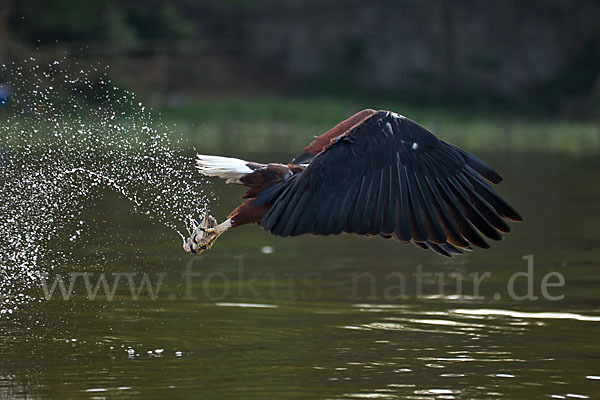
[521,314]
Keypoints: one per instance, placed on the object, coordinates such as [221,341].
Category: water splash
[65,132]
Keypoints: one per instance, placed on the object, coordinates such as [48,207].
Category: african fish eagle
[376,173]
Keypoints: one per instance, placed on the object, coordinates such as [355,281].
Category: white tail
[231,169]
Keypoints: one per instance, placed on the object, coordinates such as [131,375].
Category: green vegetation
[253,125]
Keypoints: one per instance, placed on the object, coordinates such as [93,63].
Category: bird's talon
[203,236]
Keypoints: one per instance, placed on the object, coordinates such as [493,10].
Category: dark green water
[325,317]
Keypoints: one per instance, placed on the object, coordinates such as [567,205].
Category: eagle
[376,173]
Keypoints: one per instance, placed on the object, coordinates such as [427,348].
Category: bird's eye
[203,247]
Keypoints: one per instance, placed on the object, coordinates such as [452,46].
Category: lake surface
[339,317]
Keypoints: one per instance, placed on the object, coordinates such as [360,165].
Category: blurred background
[510,74]
[515,82]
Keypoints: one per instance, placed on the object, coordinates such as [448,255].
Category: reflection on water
[244,305]
[538,315]
[292,324]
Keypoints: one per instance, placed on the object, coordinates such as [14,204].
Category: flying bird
[375,174]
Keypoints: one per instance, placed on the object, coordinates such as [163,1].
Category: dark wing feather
[402,229]
[390,176]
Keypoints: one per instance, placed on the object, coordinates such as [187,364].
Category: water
[66,135]
[287,318]
[258,316]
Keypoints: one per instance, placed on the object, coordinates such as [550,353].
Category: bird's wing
[323,141]
[390,176]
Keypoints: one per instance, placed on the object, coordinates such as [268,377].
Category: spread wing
[389,176]
[321,142]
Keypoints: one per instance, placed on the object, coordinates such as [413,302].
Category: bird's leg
[204,235]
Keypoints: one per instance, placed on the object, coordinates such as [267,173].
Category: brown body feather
[247,213]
